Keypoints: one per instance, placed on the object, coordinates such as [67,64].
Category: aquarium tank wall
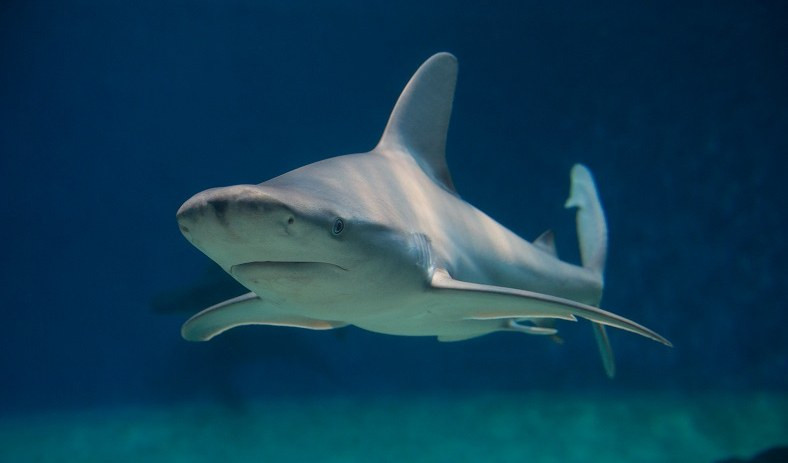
[112,114]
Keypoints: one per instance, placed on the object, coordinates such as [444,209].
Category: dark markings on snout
[220,208]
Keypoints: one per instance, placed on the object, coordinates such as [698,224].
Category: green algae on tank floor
[533,427]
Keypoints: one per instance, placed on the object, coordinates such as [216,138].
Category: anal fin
[519,326]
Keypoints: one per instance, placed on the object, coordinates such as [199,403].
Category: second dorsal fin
[546,242]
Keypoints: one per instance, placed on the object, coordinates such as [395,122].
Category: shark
[381,240]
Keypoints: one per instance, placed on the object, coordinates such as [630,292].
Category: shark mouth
[284,266]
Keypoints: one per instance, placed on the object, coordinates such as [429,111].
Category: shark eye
[339,225]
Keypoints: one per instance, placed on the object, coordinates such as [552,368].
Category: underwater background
[113,113]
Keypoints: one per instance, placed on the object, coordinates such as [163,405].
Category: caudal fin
[591,225]
[592,235]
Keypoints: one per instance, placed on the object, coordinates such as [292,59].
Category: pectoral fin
[247,309]
[478,301]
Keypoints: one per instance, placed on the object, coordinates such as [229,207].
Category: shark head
[306,228]
[244,224]
[351,225]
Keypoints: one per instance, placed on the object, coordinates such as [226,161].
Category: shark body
[381,240]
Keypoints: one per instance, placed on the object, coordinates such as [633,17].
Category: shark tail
[592,236]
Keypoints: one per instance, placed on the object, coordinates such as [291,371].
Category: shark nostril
[184,229]
[290,220]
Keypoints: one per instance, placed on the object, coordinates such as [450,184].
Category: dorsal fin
[546,242]
[420,119]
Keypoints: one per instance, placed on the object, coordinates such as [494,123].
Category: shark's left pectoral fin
[247,309]
[486,302]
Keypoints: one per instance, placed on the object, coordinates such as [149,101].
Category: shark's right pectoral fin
[476,301]
[247,309]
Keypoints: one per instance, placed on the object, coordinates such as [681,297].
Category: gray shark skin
[381,240]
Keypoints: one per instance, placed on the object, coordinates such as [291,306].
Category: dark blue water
[113,113]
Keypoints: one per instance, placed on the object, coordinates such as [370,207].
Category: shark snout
[227,210]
